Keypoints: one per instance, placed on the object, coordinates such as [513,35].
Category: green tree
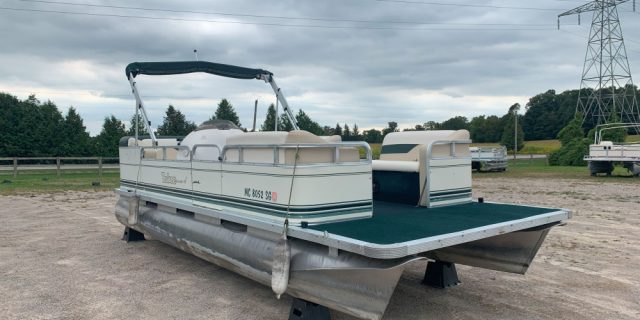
[494,128]
[574,145]
[76,140]
[455,123]
[391,127]
[225,111]
[373,136]
[305,123]
[175,124]
[509,128]
[43,135]
[12,126]
[106,143]
[547,113]
[486,129]
[337,130]
[285,124]
[477,127]
[142,129]
[269,123]
[346,133]
[356,136]
[431,125]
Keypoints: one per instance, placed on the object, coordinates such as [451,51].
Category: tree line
[31,128]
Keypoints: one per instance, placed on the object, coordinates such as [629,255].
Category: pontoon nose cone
[280,266]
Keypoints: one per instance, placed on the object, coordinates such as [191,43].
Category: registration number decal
[267,195]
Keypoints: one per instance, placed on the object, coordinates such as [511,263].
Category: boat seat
[398,166]
[401,173]
[149,154]
[287,156]
[406,146]
[171,154]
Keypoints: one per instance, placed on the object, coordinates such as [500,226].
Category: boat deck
[394,223]
[399,230]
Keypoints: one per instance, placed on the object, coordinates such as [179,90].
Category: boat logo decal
[167,178]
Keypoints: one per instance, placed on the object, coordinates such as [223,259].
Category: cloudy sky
[347,61]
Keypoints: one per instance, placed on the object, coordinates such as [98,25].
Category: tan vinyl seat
[305,155]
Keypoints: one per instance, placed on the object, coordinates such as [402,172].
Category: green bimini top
[396,222]
[180,67]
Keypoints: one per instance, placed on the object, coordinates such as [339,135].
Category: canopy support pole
[283,101]
[140,107]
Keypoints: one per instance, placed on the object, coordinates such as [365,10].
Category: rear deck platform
[399,230]
[396,222]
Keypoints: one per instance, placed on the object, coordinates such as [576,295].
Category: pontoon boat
[315,217]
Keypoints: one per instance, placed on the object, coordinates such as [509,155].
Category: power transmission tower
[606,93]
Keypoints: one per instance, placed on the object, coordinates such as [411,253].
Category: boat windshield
[218,124]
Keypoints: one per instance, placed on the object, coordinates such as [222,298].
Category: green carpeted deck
[396,222]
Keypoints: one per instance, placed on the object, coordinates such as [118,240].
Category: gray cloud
[363,76]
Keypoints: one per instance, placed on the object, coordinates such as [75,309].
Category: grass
[633,138]
[540,146]
[47,181]
[538,169]
[375,149]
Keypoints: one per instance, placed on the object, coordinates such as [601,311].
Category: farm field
[62,257]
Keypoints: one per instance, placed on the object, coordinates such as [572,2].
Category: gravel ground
[61,257]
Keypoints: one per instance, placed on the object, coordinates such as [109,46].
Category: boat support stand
[440,274]
[302,309]
[132,235]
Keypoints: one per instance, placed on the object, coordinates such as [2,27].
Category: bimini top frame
[182,67]
[609,126]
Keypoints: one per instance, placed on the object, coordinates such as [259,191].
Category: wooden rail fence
[15,161]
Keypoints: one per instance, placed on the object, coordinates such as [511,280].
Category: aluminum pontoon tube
[339,280]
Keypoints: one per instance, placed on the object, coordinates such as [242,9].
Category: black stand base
[132,235]
[302,309]
[440,274]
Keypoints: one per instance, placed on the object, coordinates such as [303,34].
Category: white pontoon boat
[489,158]
[311,217]
[604,155]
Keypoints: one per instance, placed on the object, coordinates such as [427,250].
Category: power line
[465,5]
[260,23]
[273,17]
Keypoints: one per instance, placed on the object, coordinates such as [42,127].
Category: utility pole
[515,133]
[255,112]
[606,88]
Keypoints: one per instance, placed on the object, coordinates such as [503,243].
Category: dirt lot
[61,257]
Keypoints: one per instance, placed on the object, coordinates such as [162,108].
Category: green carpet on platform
[396,222]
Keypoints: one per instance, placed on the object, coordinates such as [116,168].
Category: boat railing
[204,146]
[165,153]
[442,165]
[277,148]
[614,150]
[452,149]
